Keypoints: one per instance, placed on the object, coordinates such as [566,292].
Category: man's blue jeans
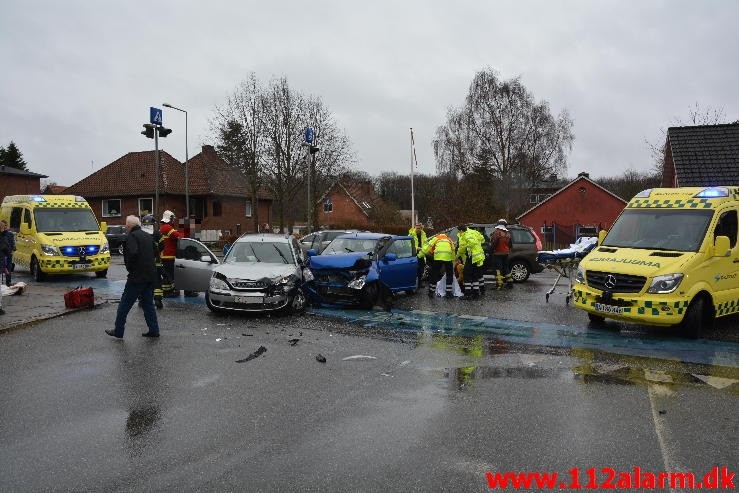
[131,293]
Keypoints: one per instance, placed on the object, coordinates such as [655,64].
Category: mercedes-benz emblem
[82,251]
[610,281]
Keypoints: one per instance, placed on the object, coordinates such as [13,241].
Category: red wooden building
[580,208]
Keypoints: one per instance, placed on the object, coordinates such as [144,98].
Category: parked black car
[319,240]
[116,236]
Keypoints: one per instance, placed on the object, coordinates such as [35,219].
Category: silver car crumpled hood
[255,271]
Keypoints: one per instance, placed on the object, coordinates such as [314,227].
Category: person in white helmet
[168,248]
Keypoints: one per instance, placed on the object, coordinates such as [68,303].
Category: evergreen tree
[12,157]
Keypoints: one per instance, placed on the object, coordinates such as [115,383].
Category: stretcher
[565,261]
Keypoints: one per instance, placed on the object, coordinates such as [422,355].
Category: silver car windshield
[349,245]
[267,252]
[660,229]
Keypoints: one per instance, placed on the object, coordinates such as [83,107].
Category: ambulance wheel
[36,272]
[697,318]
[102,274]
[596,320]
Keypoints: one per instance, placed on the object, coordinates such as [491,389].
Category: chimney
[207,149]
[584,174]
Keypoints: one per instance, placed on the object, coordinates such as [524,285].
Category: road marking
[664,437]
[716,382]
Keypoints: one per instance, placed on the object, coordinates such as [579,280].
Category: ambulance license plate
[616,310]
[249,299]
[81,266]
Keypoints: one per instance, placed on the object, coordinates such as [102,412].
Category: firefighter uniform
[169,238]
[500,246]
[420,241]
[441,247]
[471,252]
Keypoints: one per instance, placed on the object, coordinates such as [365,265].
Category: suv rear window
[521,236]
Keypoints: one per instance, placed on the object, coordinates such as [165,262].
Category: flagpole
[413,200]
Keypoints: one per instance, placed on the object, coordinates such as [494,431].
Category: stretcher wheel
[567,300]
[547,295]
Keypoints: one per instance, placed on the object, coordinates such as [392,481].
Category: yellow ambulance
[671,258]
[56,234]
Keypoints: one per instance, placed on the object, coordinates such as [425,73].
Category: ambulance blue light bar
[712,193]
[38,198]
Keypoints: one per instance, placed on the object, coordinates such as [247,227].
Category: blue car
[361,268]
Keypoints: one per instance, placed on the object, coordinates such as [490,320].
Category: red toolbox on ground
[79,298]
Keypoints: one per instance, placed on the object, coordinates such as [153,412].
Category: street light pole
[187,178]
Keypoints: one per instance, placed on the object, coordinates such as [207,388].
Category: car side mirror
[311,253]
[602,236]
[722,247]
[104,226]
[25,229]
[390,257]
[206,258]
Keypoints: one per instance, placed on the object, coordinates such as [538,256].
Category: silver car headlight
[665,284]
[217,284]
[358,282]
[49,250]
[307,274]
[105,248]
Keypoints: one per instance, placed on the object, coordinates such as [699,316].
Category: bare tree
[260,131]
[240,136]
[505,138]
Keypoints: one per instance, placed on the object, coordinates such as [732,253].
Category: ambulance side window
[15,219]
[727,226]
[27,217]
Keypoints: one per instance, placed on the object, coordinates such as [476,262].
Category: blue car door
[399,274]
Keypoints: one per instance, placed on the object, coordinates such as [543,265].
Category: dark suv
[522,259]
[116,236]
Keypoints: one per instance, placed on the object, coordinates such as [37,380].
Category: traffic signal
[163,132]
[148,130]
[314,149]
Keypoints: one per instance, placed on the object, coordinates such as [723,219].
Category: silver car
[261,272]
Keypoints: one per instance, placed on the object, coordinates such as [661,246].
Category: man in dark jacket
[9,239]
[139,257]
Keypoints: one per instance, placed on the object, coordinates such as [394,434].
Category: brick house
[219,195]
[348,203]
[580,208]
[701,155]
[14,181]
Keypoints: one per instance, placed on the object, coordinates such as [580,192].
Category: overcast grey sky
[78,78]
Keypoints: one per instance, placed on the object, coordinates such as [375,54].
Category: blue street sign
[155,116]
[309,135]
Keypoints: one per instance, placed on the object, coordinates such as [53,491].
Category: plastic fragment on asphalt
[253,355]
[218,339]
[320,358]
[293,341]
[405,362]
[358,356]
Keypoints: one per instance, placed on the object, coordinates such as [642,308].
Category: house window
[112,208]
[328,206]
[248,208]
[146,206]
[216,208]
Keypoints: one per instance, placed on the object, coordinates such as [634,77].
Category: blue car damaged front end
[340,278]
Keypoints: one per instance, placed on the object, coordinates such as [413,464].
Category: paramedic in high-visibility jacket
[420,241]
[168,247]
[441,247]
[501,243]
[471,252]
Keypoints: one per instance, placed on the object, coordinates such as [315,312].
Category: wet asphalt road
[401,404]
